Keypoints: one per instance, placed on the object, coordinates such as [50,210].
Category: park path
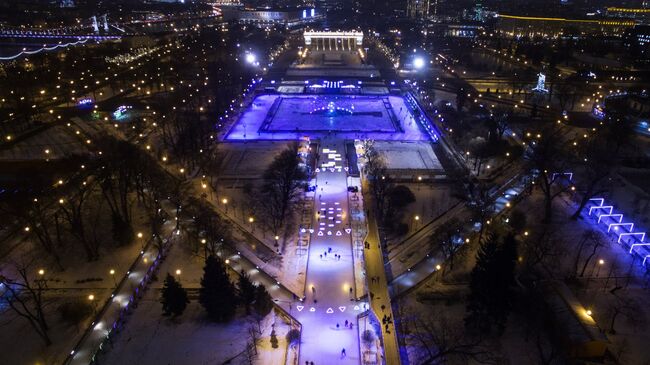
[330,279]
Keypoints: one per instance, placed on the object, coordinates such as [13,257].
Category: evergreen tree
[217,294]
[491,295]
[174,297]
[263,302]
[247,291]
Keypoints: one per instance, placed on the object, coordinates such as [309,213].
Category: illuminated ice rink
[325,113]
[284,117]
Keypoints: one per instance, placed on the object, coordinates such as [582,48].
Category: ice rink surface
[292,120]
[325,113]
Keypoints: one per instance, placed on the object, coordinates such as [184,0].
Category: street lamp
[112,272]
[418,63]
[601,262]
[91,298]
[225,203]
[251,58]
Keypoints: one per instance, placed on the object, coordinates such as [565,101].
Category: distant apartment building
[550,27]
[418,9]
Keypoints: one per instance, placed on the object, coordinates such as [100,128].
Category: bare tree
[622,306]
[450,243]
[36,216]
[595,240]
[24,295]
[438,341]
[542,255]
[74,213]
[596,162]
[546,155]
[283,181]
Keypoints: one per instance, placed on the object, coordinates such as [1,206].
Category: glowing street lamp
[251,58]
[418,63]
[112,272]
[91,298]
[178,275]
[225,203]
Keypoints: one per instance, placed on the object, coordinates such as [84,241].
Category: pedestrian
[343,353]
[351,325]
[329,249]
[346,323]
[337,326]
[350,290]
[306,362]
[321,256]
[325,253]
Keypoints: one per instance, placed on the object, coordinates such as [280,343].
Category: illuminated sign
[120,112]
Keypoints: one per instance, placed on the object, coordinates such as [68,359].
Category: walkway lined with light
[330,298]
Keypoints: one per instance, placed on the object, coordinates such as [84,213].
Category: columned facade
[333,41]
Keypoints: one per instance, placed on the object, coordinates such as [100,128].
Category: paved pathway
[330,280]
[378,285]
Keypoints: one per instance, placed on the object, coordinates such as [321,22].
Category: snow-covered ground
[151,338]
[409,156]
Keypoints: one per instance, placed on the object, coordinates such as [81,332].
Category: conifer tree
[174,297]
[217,293]
[491,294]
